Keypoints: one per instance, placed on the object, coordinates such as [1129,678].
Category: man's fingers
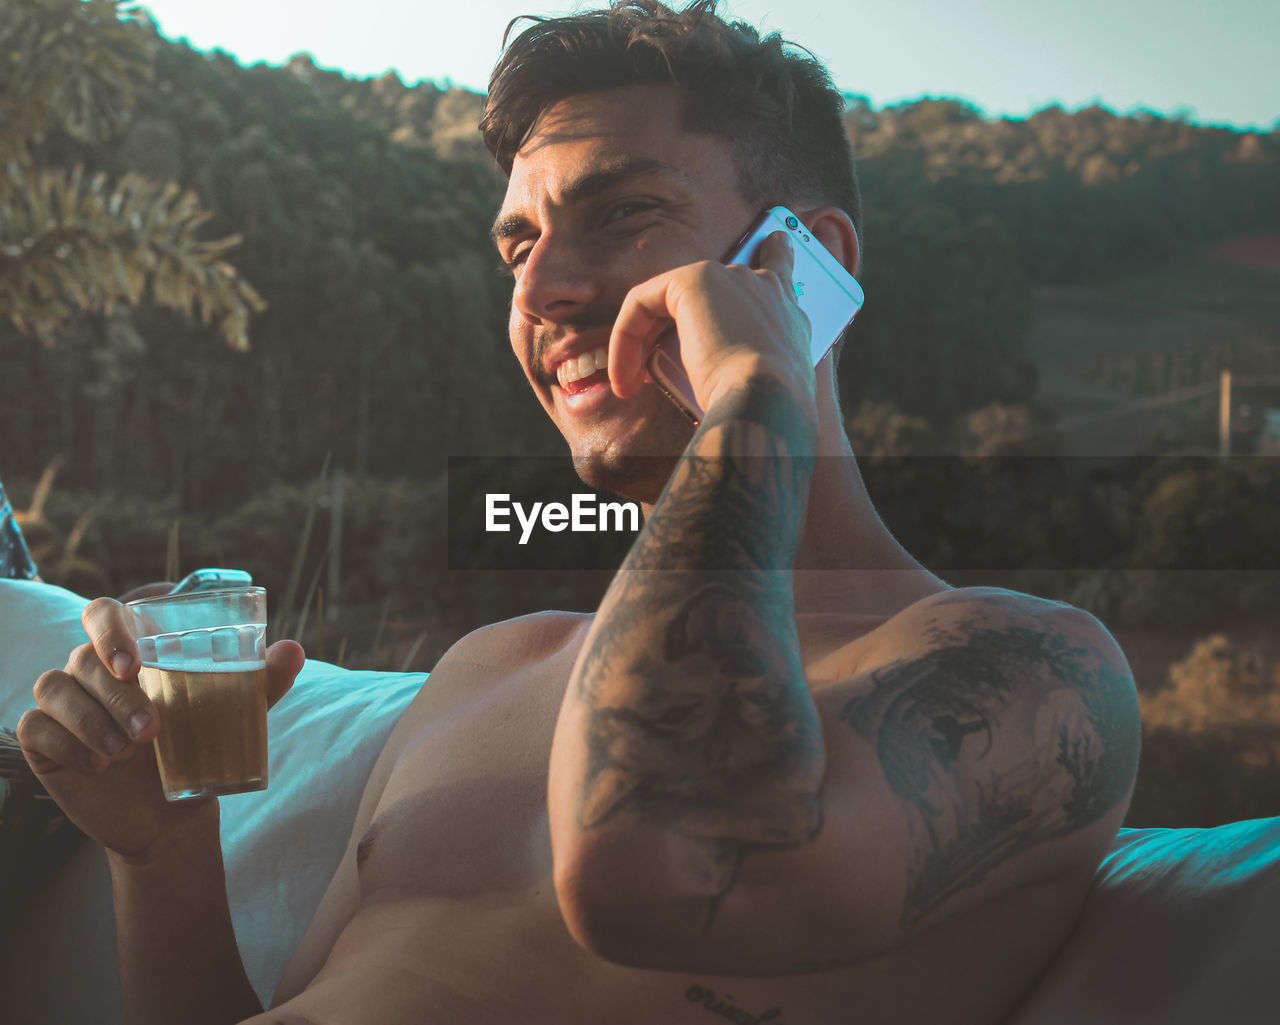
[104,622]
[50,746]
[643,317]
[123,700]
[777,254]
[284,662]
[103,726]
[627,358]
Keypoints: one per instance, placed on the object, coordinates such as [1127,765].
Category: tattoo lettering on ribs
[936,721]
[707,999]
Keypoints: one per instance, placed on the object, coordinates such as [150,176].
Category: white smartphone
[827,293]
[212,580]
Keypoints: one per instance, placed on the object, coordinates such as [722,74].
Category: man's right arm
[179,960]
[89,742]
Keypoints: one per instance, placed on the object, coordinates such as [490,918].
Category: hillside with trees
[362,207]
[226,288]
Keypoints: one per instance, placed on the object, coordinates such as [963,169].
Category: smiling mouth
[585,371]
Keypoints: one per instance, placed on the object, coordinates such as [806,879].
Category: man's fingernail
[121,663]
[138,722]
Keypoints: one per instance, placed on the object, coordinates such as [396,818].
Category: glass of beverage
[204,667]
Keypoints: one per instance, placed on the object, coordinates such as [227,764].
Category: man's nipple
[365,847]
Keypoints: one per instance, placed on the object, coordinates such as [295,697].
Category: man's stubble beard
[662,438]
[640,470]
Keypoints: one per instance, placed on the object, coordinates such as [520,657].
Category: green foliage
[364,217]
[72,243]
[78,244]
[1084,194]
[947,314]
[1165,544]
[879,428]
[1206,778]
[384,341]
[1211,744]
[1004,429]
[69,64]
[1205,514]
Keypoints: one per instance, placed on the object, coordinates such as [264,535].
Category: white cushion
[1182,927]
[281,844]
[39,625]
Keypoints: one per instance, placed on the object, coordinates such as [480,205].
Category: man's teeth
[583,366]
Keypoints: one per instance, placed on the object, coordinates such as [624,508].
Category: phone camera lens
[792,223]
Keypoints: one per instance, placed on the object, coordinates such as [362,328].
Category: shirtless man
[784,774]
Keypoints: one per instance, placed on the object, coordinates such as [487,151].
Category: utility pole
[1224,416]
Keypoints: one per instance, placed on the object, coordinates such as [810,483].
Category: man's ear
[834,230]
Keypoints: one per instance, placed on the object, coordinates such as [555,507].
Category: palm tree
[72,242]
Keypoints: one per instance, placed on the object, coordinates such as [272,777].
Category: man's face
[608,192]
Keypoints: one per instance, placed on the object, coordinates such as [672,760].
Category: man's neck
[848,561]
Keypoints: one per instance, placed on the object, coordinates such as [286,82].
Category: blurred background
[248,312]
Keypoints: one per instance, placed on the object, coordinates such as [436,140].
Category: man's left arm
[688,737]
[982,750]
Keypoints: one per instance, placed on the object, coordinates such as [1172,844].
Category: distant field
[1261,252]
[1137,337]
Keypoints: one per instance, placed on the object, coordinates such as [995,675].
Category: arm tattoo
[699,715]
[934,719]
[737,498]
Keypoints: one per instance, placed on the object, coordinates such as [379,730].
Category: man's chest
[452,891]
[464,812]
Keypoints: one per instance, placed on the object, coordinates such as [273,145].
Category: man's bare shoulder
[1004,724]
[1003,651]
[493,656]
[517,642]
[940,620]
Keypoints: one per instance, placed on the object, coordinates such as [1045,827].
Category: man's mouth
[585,371]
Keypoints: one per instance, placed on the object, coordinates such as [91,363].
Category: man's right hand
[89,738]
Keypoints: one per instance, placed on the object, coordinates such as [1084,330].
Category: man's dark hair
[774,103]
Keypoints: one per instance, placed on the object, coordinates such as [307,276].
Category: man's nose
[556,278]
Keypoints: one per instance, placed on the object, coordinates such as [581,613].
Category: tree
[72,242]
[948,312]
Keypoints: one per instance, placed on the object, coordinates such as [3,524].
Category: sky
[1213,63]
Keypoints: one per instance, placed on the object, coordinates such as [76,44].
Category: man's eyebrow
[585,186]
